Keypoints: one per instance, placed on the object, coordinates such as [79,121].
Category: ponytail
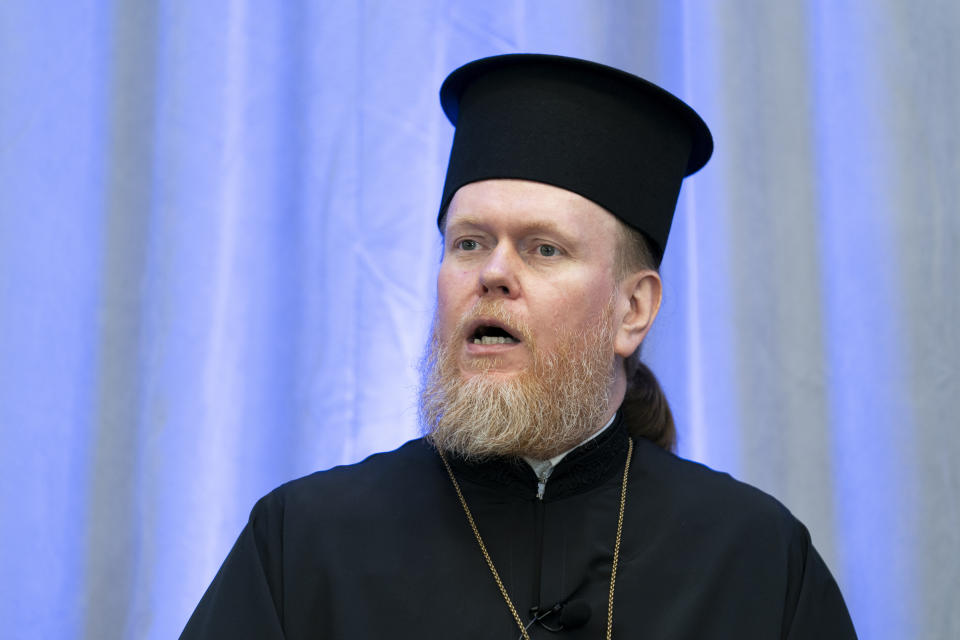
[645,409]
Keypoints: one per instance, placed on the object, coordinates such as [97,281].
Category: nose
[498,277]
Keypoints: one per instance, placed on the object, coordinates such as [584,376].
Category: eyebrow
[543,226]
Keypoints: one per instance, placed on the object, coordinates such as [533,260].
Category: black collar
[587,466]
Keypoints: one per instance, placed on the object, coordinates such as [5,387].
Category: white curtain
[218,251]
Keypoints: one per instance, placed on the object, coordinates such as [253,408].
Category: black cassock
[382,549]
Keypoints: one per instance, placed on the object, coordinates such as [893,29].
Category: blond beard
[553,405]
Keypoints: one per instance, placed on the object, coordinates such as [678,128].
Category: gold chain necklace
[493,569]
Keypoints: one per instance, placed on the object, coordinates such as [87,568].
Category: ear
[638,301]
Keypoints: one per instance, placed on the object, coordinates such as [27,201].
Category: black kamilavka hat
[614,138]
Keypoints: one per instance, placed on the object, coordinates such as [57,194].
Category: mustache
[491,310]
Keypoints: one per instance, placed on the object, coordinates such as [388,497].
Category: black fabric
[609,136]
[382,549]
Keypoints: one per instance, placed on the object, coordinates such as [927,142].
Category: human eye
[467,244]
[547,250]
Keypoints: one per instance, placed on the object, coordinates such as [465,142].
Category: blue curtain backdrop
[217,262]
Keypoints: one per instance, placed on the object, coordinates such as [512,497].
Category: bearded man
[544,497]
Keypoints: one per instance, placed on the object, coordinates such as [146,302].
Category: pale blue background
[217,255]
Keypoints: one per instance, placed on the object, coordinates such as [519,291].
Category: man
[544,497]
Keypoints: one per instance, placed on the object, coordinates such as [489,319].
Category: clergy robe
[382,549]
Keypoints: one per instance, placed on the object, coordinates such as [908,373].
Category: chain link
[616,544]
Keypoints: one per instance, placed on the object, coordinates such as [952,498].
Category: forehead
[518,205]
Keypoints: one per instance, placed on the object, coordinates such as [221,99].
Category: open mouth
[492,334]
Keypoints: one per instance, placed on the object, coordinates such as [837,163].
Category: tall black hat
[614,138]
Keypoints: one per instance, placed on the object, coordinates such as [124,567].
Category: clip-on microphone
[572,615]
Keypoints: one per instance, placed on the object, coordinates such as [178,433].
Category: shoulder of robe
[695,493]
[714,525]
[350,490]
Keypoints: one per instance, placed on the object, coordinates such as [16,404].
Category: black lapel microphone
[572,615]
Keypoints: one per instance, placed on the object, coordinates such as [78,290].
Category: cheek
[582,292]
[449,291]
[581,308]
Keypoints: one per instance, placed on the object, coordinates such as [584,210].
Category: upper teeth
[493,340]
